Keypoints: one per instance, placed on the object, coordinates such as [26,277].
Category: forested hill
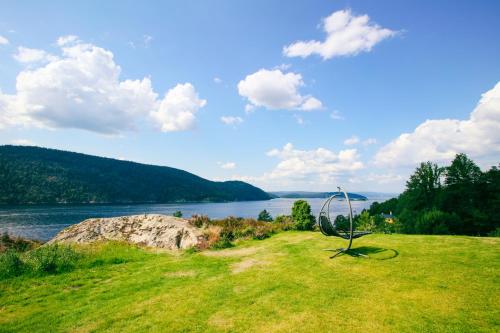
[33,175]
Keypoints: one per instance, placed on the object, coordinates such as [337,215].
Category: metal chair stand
[329,228]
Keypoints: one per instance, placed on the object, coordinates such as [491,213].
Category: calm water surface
[44,222]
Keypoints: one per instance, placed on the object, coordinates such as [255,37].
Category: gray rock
[160,231]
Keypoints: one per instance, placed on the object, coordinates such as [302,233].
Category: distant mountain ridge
[34,175]
[306,194]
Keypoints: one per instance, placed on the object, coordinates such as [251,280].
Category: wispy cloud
[230,120]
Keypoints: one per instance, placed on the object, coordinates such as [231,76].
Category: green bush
[51,259]
[284,222]
[224,242]
[10,264]
[301,214]
[494,233]
[265,216]
[177,214]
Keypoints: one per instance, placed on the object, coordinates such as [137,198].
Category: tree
[462,171]
[177,214]
[302,217]
[265,216]
[423,186]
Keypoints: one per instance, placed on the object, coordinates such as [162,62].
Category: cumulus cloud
[27,55]
[66,40]
[440,140]
[352,140]
[274,89]
[230,120]
[177,110]
[82,89]
[346,34]
[316,166]
[3,40]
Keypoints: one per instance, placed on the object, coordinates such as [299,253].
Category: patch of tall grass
[49,259]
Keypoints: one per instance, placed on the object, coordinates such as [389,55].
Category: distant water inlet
[44,222]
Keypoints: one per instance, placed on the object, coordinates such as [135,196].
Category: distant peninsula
[34,175]
[305,194]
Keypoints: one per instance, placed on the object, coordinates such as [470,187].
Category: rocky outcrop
[160,231]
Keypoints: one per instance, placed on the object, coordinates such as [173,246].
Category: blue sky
[304,95]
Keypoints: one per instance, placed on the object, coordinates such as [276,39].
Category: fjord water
[44,222]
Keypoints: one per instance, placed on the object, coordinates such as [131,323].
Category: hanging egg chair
[329,227]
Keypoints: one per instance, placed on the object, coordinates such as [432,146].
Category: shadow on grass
[370,252]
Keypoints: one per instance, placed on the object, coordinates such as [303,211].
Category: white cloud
[384,178]
[3,40]
[283,67]
[308,167]
[369,141]
[227,165]
[27,55]
[217,80]
[274,90]
[67,40]
[82,89]
[352,140]
[22,142]
[346,34]
[440,140]
[311,103]
[230,120]
[336,115]
[177,110]
[249,108]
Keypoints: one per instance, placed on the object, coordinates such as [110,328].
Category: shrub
[10,264]
[18,244]
[177,214]
[301,214]
[51,259]
[265,216]
[222,243]
[284,222]
[199,220]
[494,233]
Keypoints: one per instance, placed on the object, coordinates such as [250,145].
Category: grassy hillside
[282,284]
[32,175]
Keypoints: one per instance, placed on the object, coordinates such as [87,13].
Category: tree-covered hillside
[33,175]
[456,199]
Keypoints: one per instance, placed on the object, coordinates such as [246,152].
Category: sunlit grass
[281,284]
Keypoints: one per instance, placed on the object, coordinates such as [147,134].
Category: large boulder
[161,231]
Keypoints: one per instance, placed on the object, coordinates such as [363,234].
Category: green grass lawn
[286,283]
